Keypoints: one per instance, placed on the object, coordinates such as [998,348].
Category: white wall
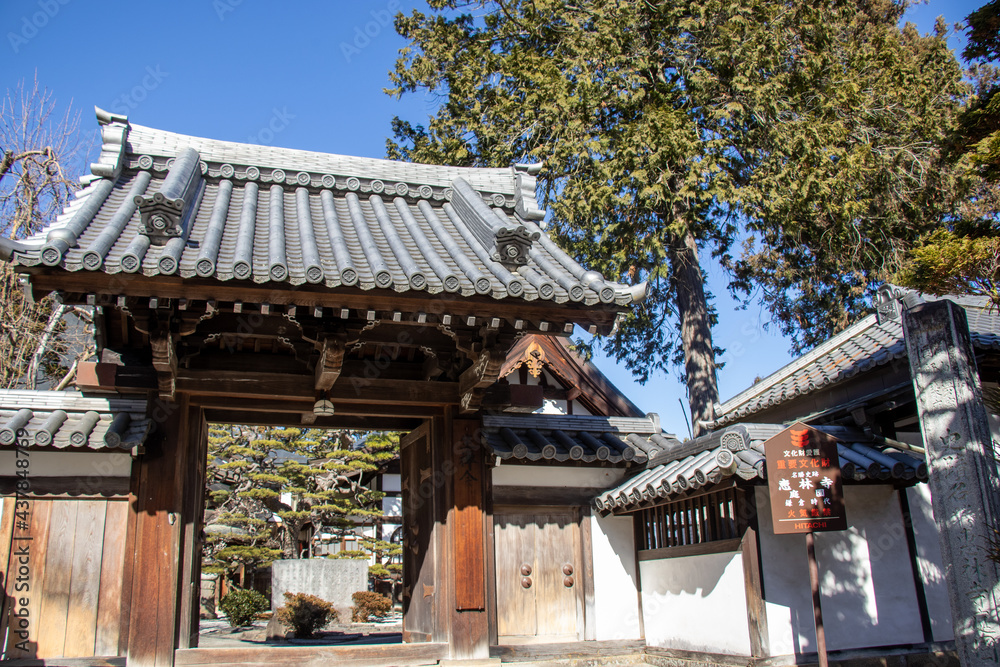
[550,406]
[616,602]
[930,561]
[866,581]
[88,466]
[509,474]
[696,603]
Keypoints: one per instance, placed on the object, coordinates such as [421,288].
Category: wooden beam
[291,407]
[331,361]
[473,382]
[44,280]
[354,422]
[239,385]
[165,363]
[754,583]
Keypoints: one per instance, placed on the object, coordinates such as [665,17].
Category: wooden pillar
[963,471]
[446,496]
[466,461]
[154,566]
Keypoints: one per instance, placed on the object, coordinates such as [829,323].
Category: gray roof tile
[67,419]
[859,348]
[168,204]
[739,451]
[616,440]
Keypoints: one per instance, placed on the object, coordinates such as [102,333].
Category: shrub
[241,607]
[305,614]
[369,604]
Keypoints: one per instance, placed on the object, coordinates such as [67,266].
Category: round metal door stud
[526,582]
[526,570]
[567,569]
[568,582]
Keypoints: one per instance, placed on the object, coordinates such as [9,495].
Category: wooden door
[419,547]
[538,569]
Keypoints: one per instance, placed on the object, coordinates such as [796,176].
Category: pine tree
[266,484]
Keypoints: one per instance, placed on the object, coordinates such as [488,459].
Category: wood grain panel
[555,547]
[112,566]
[55,589]
[514,536]
[468,537]
[41,517]
[85,583]
[419,552]
[7,585]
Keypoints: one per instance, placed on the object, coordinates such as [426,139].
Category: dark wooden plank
[427,653]
[589,624]
[468,529]
[109,605]
[55,590]
[756,609]
[193,493]
[341,420]
[153,622]
[45,280]
[85,581]
[700,549]
[544,495]
[239,384]
[128,559]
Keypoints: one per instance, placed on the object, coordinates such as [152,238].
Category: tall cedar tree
[963,256]
[254,472]
[806,133]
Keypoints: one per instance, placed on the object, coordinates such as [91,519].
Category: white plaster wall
[88,466]
[696,603]
[391,483]
[556,476]
[866,581]
[931,562]
[616,602]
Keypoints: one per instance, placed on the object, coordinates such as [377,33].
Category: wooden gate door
[538,563]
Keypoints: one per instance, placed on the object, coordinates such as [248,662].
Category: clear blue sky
[308,75]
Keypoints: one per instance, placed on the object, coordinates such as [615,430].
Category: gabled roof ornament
[114,135]
[526,204]
[163,213]
[509,244]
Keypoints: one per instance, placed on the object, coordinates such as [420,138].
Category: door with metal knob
[539,597]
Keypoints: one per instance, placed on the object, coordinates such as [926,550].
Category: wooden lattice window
[712,517]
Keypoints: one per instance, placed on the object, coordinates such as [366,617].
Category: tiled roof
[161,203]
[575,438]
[860,347]
[739,451]
[67,419]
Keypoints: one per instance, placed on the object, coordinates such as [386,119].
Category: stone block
[330,579]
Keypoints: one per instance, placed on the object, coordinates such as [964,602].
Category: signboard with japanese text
[803,477]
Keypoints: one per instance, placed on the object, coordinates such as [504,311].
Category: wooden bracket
[165,362]
[474,381]
[331,361]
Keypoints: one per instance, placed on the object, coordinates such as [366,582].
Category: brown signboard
[803,477]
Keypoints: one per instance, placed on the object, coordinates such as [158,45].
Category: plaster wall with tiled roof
[865,345]
[164,204]
[738,452]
